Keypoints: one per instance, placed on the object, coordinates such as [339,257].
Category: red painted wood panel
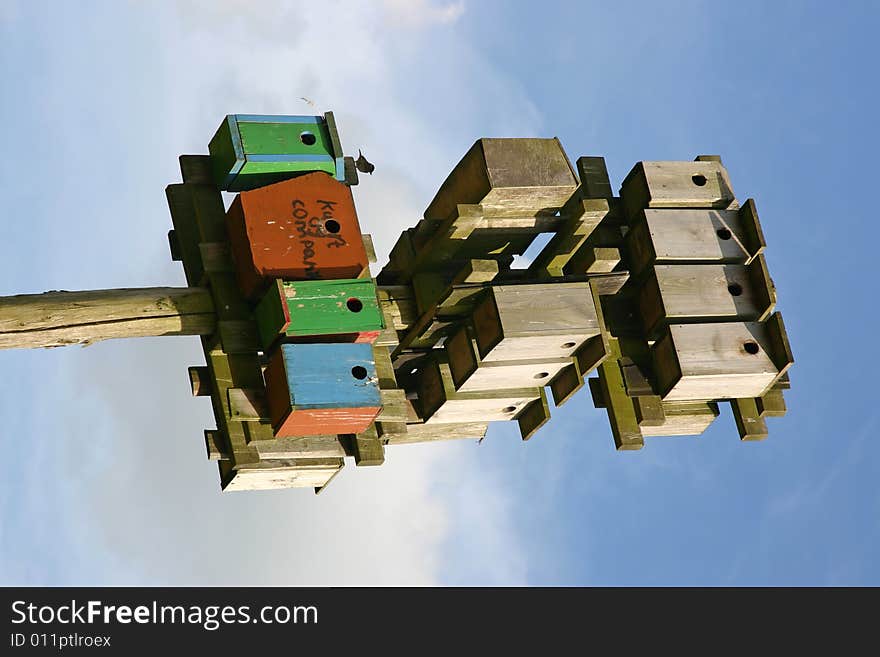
[318,422]
[305,228]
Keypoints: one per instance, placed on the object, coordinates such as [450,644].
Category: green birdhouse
[250,151]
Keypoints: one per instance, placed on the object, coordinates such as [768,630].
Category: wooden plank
[186,231]
[566,382]
[621,413]
[461,355]
[60,318]
[470,374]
[455,295]
[713,361]
[676,185]
[216,257]
[508,177]
[425,433]
[368,449]
[601,260]
[200,381]
[196,169]
[609,284]
[398,304]
[368,246]
[347,308]
[248,404]
[505,375]
[59,309]
[749,423]
[394,406]
[215,444]
[320,489]
[533,417]
[87,334]
[683,419]
[384,368]
[649,411]
[327,446]
[582,216]
[771,403]
[228,371]
[688,236]
[239,336]
[351,173]
[284,473]
[596,393]
[705,293]
[593,175]
[777,344]
[753,235]
[174,246]
[439,402]
[517,322]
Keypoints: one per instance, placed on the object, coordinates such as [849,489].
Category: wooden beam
[60,318]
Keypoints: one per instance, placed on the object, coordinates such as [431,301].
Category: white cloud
[128,473]
[421,13]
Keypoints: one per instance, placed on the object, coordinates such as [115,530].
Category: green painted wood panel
[311,308]
[250,151]
[284,138]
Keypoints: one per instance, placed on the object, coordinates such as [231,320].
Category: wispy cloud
[125,457]
[422,13]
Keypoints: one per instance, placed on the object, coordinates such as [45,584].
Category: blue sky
[104,480]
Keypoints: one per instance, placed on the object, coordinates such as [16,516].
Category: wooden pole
[60,318]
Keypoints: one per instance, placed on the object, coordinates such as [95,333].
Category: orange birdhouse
[305,228]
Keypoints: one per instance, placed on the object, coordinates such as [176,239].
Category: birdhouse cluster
[661,292]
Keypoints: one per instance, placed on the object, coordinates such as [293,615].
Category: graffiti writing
[313,229]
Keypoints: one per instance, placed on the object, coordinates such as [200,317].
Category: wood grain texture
[517,322]
[687,236]
[713,361]
[772,403]
[533,417]
[61,318]
[368,448]
[426,433]
[346,308]
[705,293]
[321,446]
[508,177]
[440,403]
[582,216]
[284,473]
[683,419]
[621,412]
[676,185]
[749,423]
[216,446]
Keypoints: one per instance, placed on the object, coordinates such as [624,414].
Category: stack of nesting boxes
[490,339]
[705,329]
[301,262]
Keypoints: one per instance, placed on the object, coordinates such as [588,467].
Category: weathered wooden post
[60,318]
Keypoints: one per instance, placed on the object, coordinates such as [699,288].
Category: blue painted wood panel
[331,375]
